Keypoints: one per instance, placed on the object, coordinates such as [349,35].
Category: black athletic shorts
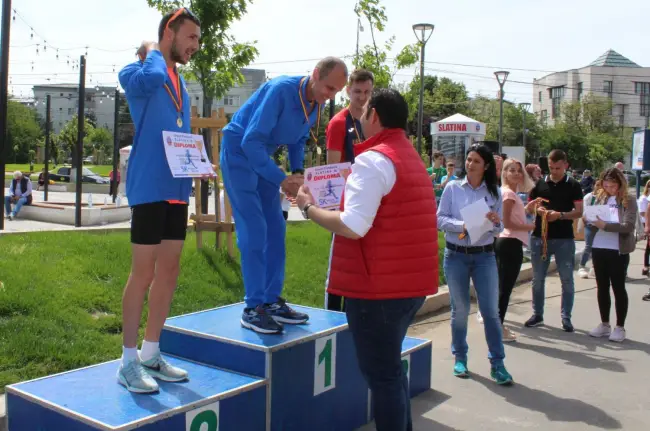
[154,222]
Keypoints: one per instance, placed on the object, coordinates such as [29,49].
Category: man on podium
[343,133]
[282,111]
[385,254]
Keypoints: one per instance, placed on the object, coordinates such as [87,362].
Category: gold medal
[179,122]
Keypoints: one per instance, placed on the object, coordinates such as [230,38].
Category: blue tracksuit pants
[260,227]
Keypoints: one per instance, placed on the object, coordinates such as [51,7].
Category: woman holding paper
[470,253]
[611,249]
[509,245]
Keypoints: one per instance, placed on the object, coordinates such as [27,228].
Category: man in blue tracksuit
[281,112]
[159,102]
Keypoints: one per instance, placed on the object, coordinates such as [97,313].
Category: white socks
[149,350]
[129,354]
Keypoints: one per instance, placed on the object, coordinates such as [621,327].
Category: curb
[441,300]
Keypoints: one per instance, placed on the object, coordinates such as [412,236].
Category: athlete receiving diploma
[281,112]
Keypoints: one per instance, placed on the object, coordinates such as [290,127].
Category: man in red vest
[385,254]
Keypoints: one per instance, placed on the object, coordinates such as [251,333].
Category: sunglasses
[179,12]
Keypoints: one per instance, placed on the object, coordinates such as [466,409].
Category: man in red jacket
[385,254]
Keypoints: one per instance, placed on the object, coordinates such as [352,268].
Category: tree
[100,144]
[588,134]
[67,138]
[23,131]
[216,66]
[373,57]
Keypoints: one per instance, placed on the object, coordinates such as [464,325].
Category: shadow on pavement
[555,408]
[425,403]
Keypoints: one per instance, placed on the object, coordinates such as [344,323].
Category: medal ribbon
[304,109]
[178,104]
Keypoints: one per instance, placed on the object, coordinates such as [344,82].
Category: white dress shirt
[372,177]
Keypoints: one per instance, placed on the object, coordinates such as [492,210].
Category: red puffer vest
[398,257]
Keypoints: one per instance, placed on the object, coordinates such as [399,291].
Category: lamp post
[502,76]
[423,38]
[524,110]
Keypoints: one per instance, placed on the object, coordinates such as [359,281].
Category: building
[99,102]
[611,75]
[236,96]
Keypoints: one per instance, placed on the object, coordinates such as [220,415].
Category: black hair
[490,175]
[390,106]
[178,21]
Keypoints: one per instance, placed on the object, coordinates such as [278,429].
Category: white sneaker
[618,334]
[134,377]
[509,336]
[592,274]
[582,272]
[601,330]
[479,318]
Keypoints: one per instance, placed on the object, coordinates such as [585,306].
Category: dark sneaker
[646,297]
[500,375]
[258,320]
[535,320]
[282,313]
[566,325]
[460,369]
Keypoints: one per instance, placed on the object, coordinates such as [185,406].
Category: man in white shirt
[384,258]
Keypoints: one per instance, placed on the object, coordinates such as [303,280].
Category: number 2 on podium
[325,364]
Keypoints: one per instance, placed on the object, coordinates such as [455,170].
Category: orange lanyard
[304,109]
[354,123]
[178,104]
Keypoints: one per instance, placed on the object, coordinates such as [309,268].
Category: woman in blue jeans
[473,258]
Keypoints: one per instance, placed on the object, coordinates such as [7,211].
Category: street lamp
[524,109]
[423,38]
[502,76]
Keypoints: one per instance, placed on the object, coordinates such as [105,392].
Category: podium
[305,378]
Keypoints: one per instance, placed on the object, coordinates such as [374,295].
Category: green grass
[62,309]
[102,170]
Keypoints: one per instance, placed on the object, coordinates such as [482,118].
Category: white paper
[186,155]
[475,221]
[604,212]
[327,183]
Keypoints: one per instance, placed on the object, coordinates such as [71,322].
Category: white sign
[186,155]
[203,419]
[327,183]
[406,366]
[604,212]
[325,364]
[638,144]
[476,223]
[464,128]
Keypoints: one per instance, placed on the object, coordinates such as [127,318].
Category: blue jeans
[378,329]
[590,234]
[17,206]
[564,251]
[482,268]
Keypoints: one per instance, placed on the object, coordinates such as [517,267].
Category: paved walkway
[563,381]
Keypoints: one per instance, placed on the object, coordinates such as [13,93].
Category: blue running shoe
[500,375]
[460,369]
[258,320]
[282,313]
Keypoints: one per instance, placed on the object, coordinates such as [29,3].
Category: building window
[89,98]
[70,111]
[621,115]
[608,88]
[540,96]
[643,90]
[544,116]
[231,101]
[557,94]
[579,90]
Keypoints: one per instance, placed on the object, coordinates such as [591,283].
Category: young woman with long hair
[509,245]
[465,259]
[642,203]
[611,249]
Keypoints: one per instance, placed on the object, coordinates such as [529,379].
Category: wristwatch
[305,210]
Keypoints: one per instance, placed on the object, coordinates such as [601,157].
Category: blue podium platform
[91,399]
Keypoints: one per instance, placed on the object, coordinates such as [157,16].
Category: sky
[471,40]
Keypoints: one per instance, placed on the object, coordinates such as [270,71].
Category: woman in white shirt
[611,249]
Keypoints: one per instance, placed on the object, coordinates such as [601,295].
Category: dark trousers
[646,256]
[611,268]
[335,302]
[510,255]
[378,329]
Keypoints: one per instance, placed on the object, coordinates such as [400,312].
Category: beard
[175,55]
